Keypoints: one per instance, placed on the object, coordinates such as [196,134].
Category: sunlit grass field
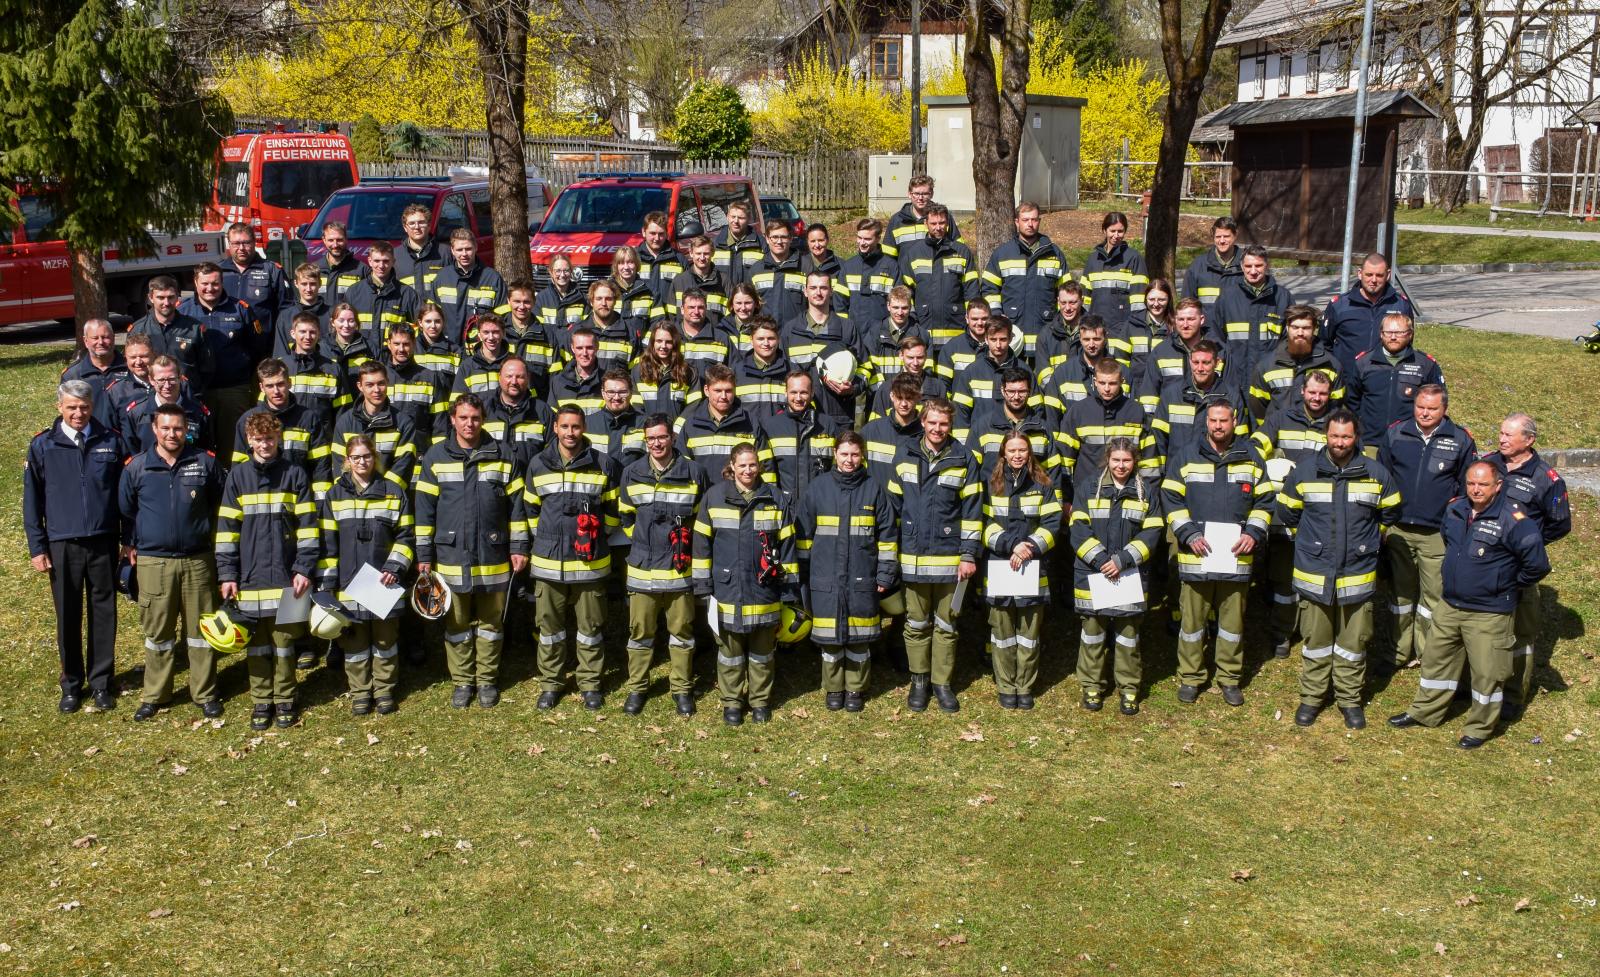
[1186,840]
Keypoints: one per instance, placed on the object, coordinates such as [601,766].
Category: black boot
[947,698]
[917,698]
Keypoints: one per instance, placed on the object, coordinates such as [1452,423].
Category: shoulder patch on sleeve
[1555,476]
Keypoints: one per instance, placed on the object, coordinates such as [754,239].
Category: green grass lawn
[1477,215]
[1425,248]
[1187,840]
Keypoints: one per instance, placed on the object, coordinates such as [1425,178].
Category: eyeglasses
[164,380]
[657,438]
[364,456]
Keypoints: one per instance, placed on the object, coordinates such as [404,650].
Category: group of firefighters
[755,445]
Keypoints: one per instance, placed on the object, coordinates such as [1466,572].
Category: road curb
[1559,458]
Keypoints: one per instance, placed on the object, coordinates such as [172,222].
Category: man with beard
[1299,351]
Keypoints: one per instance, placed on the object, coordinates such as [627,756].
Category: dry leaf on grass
[594,833]
[1470,899]
[954,940]
[1242,874]
[178,770]
[87,841]
[159,913]
[1523,905]
[372,739]
[972,734]
[91,751]
[68,907]
[1439,949]
[535,749]
[981,799]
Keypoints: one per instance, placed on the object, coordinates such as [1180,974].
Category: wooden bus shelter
[1291,170]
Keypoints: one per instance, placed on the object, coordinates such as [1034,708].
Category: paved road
[1481,230]
[1559,304]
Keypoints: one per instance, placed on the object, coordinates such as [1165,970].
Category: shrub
[712,123]
[820,109]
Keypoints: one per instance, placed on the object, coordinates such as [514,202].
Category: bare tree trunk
[1186,76]
[500,31]
[88,287]
[997,114]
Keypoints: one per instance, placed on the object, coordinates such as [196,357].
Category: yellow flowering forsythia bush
[819,109]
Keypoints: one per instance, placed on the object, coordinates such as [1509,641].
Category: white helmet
[838,366]
[430,596]
[1019,339]
[328,620]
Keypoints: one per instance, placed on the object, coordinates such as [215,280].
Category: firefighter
[898,426]
[1022,517]
[1296,430]
[1176,420]
[305,431]
[910,222]
[1352,322]
[420,255]
[911,361]
[1249,312]
[943,275]
[1115,273]
[1338,504]
[867,279]
[464,288]
[819,256]
[979,381]
[175,334]
[939,494]
[1220,478]
[635,301]
[374,415]
[1428,455]
[569,500]
[313,377]
[744,306]
[849,559]
[1493,552]
[1133,339]
[167,388]
[527,338]
[1113,531]
[514,417]
[578,383]
[1060,331]
[1017,409]
[346,349]
[663,381]
[618,347]
[1168,363]
[1299,351]
[69,511]
[1538,491]
[381,300]
[435,350]
[656,501]
[254,280]
[738,245]
[168,498]
[561,302]
[1071,378]
[801,437]
[306,300]
[715,424]
[820,326]
[761,374]
[1210,273]
[962,350]
[884,337]
[614,431]
[703,343]
[1022,276]
[416,390]
[338,267]
[126,388]
[1382,384]
[99,364]
[366,520]
[1089,424]
[701,274]
[479,372]
[777,277]
[470,532]
[659,263]
[267,543]
[744,563]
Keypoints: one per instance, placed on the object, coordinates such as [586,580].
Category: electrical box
[1047,159]
[887,177]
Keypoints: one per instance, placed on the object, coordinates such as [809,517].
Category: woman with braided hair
[1112,532]
[1021,517]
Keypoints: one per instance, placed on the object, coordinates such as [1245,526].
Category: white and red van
[276,181]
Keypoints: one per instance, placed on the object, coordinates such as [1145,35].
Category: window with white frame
[1261,76]
[1313,69]
[1285,72]
[1533,48]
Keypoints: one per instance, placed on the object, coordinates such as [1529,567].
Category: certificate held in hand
[1125,591]
[1005,582]
[1221,536]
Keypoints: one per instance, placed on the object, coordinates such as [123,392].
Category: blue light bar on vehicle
[629,175]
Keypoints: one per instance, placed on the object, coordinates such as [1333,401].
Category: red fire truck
[276,181]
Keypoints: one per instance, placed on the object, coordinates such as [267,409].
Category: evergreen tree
[1090,28]
[107,122]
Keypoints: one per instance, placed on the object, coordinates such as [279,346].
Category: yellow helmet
[794,626]
[225,629]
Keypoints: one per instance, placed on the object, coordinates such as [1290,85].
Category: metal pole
[1355,146]
[916,86]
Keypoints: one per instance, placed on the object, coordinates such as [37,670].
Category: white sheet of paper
[1125,591]
[1006,582]
[711,618]
[619,538]
[1279,468]
[292,609]
[1221,536]
[367,589]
